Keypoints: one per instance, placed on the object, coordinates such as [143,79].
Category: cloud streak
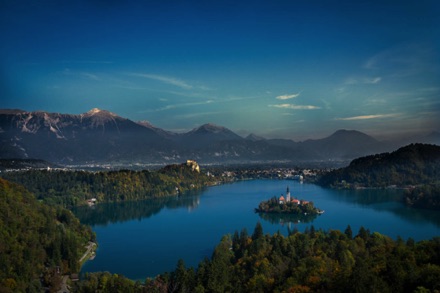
[287,97]
[295,107]
[404,60]
[367,117]
[83,74]
[195,115]
[174,106]
[85,62]
[365,80]
[90,76]
[165,79]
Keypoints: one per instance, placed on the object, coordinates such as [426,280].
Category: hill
[38,243]
[344,145]
[410,165]
[415,167]
[73,188]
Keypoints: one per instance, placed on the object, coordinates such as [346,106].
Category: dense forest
[414,166]
[38,243]
[73,188]
[313,261]
[411,165]
[426,196]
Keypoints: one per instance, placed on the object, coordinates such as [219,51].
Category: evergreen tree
[258,232]
[348,232]
[219,274]
[363,233]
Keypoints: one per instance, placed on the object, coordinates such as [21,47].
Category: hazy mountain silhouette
[101,136]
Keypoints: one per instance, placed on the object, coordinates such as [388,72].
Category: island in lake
[288,205]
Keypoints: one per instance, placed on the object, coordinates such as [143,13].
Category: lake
[143,239]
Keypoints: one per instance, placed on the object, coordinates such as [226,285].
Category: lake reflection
[108,213]
[287,219]
[386,200]
[141,239]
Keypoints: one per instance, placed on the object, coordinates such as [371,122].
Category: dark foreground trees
[38,243]
[315,261]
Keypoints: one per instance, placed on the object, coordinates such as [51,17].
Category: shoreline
[89,254]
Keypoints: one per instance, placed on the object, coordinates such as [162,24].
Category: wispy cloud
[295,107]
[375,102]
[74,73]
[237,98]
[363,80]
[189,94]
[430,89]
[165,79]
[204,88]
[85,62]
[287,97]
[367,117]
[195,115]
[327,104]
[372,62]
[90,76]
[174,106]
[404,60]
[372,80]
[292,106]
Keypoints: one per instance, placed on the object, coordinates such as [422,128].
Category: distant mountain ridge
[97,135]
[335,145]
[100,136]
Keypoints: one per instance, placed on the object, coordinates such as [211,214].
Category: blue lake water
[143,239]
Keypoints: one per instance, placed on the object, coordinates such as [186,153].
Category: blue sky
[286,69]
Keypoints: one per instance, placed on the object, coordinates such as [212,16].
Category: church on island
[284,200]
[288,205]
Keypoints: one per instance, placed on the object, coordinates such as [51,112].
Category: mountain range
[99,136]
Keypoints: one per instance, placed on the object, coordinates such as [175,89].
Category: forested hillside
[426,196]
[416,167]
[411,165]
[313,261]
[72,188]
[37,242]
